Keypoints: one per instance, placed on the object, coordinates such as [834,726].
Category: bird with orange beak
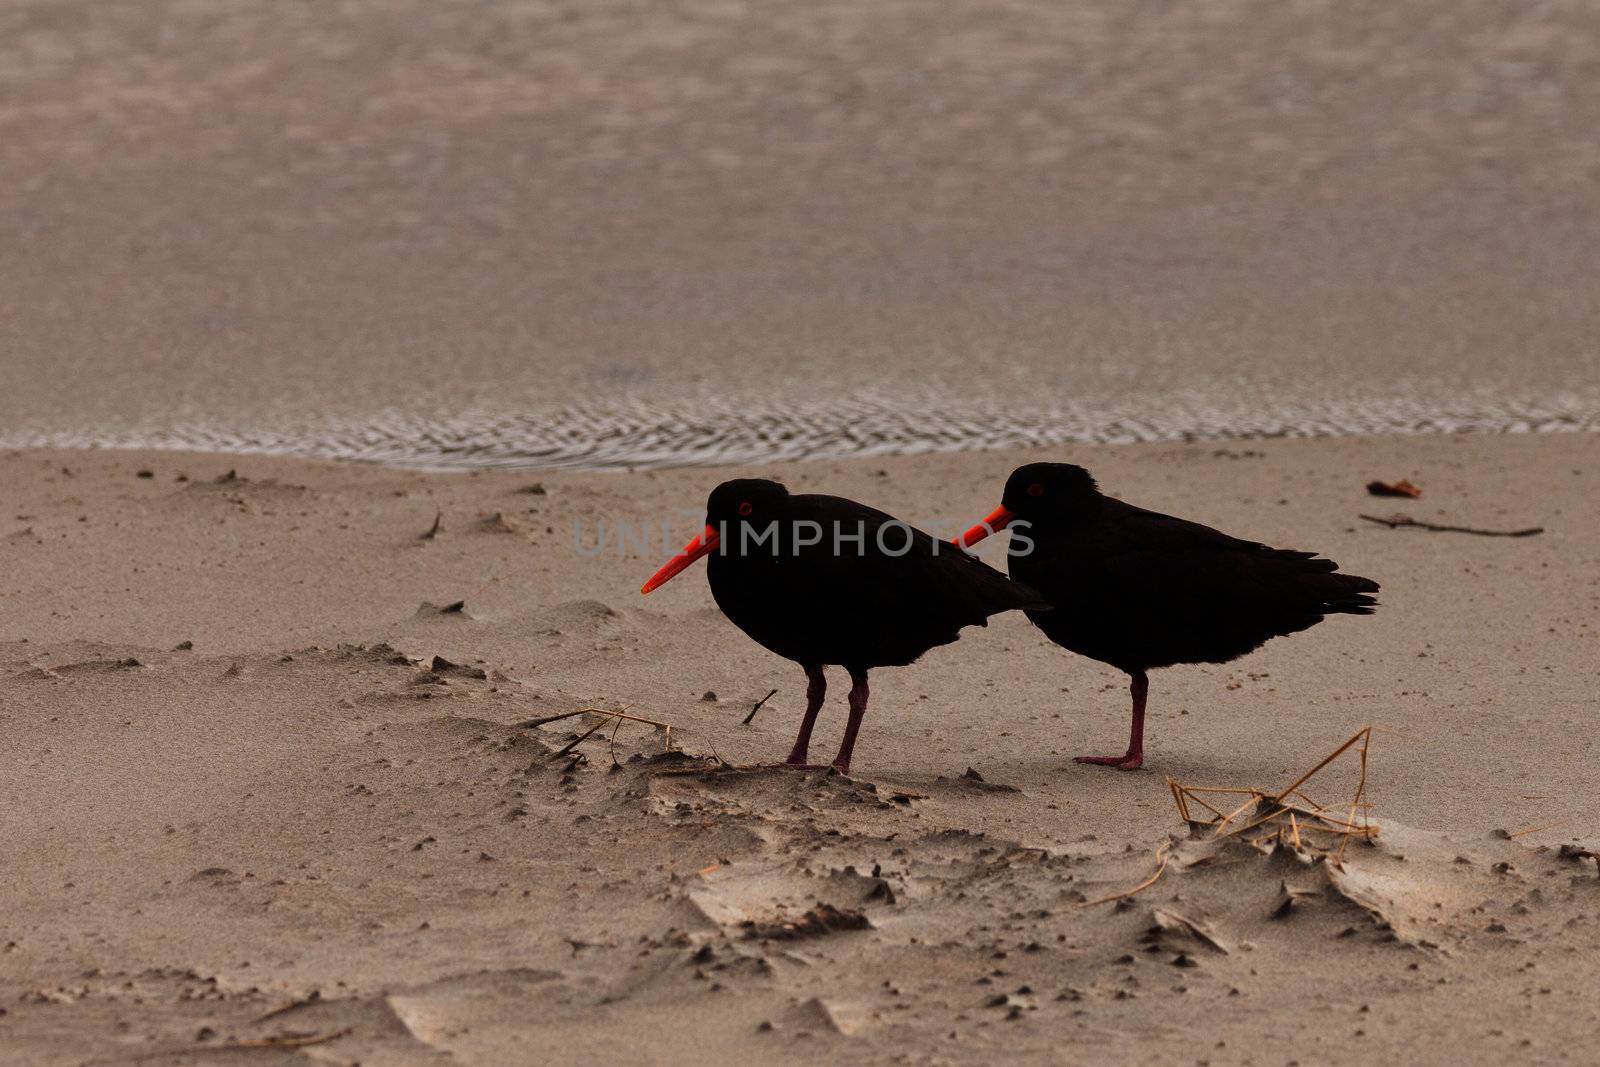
[823,581]
[1140,590]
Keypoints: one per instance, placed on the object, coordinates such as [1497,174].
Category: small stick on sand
[531,723]
[1302,795]
[1188,794]
[1339,826]
[287,1041]
[575,742]
[433,531]
[1161,854]
[1361,790]
[311,998]
[1177,798]
[1536,829]
[1365,731]
[1397,521]
[1247,827]
[757,708]
[613,748]
[1232,815]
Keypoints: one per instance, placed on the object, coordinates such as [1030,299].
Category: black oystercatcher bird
[1141,590]
[823,580]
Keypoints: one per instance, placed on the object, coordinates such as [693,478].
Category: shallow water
[626,234]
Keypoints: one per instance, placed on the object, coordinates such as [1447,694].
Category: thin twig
[575,742]
[311,998]
[1536,829]
[1161,854]
[1177,798]
[433,531]
[1338,826]
[287,1041]
[1361,790]
[1396,521]
[1303,796]
[1364,731]
[757,708]
[1188,794]
[546,720]
[1230,816]
[608,715]
[1247,827]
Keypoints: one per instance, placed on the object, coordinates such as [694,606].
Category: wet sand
[256,792]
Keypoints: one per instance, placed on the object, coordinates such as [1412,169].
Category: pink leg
[858,711]
[816,689]
[1133,759]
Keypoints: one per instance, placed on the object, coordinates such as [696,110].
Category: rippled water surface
[640,435]
[615,234]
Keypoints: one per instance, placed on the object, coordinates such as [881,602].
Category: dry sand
[304,811]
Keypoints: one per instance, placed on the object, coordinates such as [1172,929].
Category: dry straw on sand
[1289,815]
[1269,819]
[607,715]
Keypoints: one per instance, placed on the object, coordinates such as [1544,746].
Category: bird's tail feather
[1348,594]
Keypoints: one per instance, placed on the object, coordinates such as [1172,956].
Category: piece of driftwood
[1395,522]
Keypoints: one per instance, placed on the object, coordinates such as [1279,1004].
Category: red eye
[745,508]
[1036,489]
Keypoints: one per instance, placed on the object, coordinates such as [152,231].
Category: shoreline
[249,763]
[635,435]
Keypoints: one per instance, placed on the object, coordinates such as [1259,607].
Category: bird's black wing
[886,591]
[1171,590]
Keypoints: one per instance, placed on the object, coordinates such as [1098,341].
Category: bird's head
[753,501]
[1035,492]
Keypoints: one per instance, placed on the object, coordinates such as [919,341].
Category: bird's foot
[1130,761]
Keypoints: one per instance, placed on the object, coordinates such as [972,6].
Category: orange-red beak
[998,519]
[707,542]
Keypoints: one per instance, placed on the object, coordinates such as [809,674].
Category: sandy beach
[359,361]
[266,798]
